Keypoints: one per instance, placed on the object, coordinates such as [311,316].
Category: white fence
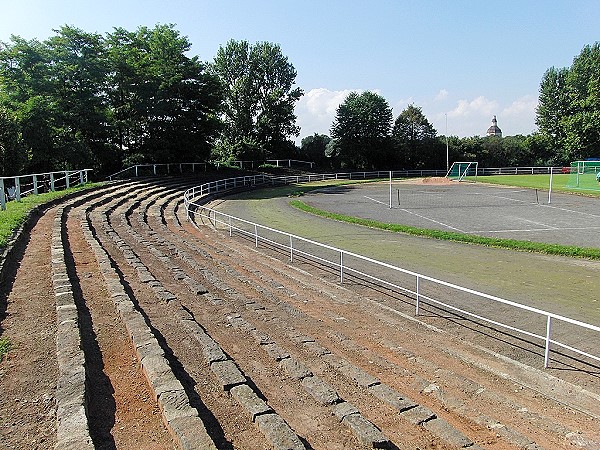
[438,292]
[157,169]
[16,187]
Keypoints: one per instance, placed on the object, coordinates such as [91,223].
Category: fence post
[230,229]
[550,189]
[547,349]
[67,179]
[81,177]
[255,235]
[341,267]
[35,185]
[418,295]
[17,189]
[154,168]
[52,187]
[291,250]
[136,171]
[2,195]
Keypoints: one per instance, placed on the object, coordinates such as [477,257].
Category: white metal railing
[527,170]
[154,169]
[294,245]
[252,164]
[18,186]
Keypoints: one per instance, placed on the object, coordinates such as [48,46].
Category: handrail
[136,168]
[229,222]
[17,192]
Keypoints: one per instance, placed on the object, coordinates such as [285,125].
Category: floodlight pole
[447,154]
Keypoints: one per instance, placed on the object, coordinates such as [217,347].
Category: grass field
[559,182]
[16,212]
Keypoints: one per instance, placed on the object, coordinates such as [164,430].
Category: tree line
[85,100]
[365,136]
[81,99]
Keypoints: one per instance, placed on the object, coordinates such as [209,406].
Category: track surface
[337,367]
[472,208]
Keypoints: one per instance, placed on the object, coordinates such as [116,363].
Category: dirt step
[575,434]
[466,442]
[269,425]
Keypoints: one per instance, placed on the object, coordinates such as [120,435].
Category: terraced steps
[221,345]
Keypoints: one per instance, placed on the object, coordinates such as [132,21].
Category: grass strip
[4,347]
[510,244]
[16,212]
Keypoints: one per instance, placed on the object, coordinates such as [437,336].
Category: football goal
[460,170]
[584,175]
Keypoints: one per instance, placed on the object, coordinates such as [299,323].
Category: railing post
[17,189]
[52,187]
[341,267]
[35,185]
[2,195]
[81,177]
[136,170]
[67,185]
[548,336]
[418,295]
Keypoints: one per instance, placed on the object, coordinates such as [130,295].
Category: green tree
[77,70]
[12,158]
[165,104]
[313,148]
[27,103]
[260,96]
[582,134]
[361,130]
[415,140]
[569,107]
[553,106]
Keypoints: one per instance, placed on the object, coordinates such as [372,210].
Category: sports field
[470,208]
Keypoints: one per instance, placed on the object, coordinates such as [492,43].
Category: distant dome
[494,130]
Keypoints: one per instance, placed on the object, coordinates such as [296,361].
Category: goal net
[461,170]
[584,175]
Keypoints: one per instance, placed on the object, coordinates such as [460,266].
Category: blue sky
[464,60]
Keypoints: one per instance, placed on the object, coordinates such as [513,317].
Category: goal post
[460,170]
[584,175]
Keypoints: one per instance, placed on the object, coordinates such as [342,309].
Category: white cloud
[469,117]
[316,110]
[519,116]
[523,105]
[477,107]
[442,95]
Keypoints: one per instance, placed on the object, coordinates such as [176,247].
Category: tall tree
[77,71]
[582,130]
[260,96]
[415,139]
[569,107]
[553,106]
[165,104]
[361,130]
[27,101]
